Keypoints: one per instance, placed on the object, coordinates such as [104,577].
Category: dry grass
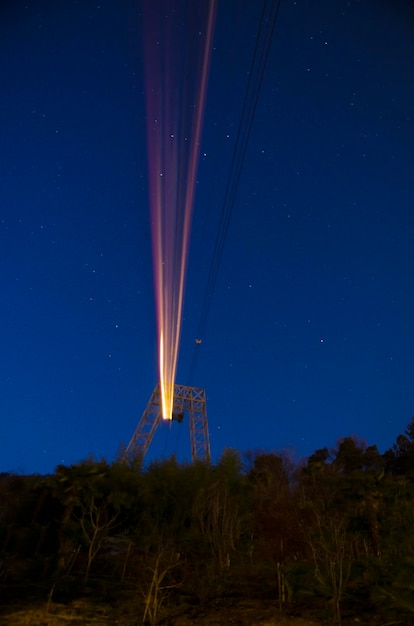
[78,613]
[240,612]
[246,621]
[84,612]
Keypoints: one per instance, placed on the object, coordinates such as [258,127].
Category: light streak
[178,40]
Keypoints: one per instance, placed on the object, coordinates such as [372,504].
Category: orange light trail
[178,40]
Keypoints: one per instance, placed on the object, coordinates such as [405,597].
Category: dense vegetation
[331,537]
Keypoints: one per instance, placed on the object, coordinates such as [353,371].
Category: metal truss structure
[190,400]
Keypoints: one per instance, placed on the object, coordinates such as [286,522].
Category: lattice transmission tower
[187,400]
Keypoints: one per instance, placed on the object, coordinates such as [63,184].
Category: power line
[260,57]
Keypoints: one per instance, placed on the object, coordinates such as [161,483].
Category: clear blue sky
[310,333]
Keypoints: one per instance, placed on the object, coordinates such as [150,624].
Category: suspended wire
[260,57]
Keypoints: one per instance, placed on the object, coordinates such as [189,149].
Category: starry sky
[310,332]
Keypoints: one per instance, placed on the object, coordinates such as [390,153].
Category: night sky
[310,332]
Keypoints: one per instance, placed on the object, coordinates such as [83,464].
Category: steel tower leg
[147,426]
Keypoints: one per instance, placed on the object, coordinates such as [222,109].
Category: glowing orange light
[177,64]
